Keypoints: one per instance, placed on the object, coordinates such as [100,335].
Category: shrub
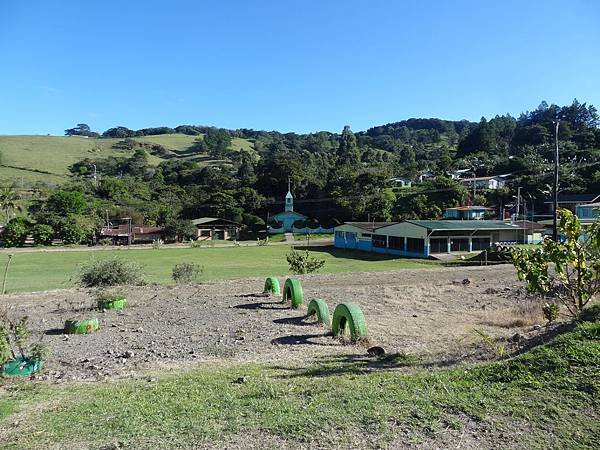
[5,350]
[42,234]
[15,233]
[301,263]
[550,311]
[570,268]
[109,272]
[186,272]
[72,233]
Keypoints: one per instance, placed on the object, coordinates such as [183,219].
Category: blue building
[588,212]
[466,212]
[284,221]
[425,238]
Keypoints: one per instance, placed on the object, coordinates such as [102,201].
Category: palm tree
[9,198]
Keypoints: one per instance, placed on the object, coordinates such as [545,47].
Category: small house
[214,228]
[134,234]
[495,182]
[467,212]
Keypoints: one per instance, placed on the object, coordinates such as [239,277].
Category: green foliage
[570,268]
[9,200]
[73,233]
[38,351]
[5,349]
[302,263]
[550,311]
[42,234]
[15,233]
[109,272]
[20,331]
[186,272]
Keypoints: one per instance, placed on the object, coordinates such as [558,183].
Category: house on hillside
[459,173]
[126,233]
[214,228]
[425,238]
[401,182]
[494,182]
[467,212]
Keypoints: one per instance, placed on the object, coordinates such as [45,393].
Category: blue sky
[289,65]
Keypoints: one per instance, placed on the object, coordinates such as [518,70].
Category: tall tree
[9,198]
[348,153]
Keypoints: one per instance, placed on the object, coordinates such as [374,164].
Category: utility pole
[555,187]
[518,201]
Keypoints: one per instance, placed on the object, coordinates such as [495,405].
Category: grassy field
[41,270]
[546,398]
[29,159]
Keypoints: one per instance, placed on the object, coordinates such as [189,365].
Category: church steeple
[289,198]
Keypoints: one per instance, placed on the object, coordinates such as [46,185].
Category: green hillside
[30,159]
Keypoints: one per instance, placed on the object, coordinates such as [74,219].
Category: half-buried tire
[319,307]
[349,317]
[272,286]
[83,326]
[292,292]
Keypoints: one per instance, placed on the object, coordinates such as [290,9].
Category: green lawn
[49,270]
[546,398]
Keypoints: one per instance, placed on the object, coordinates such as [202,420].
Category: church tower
[289,199]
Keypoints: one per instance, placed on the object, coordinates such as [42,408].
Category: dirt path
[430,313]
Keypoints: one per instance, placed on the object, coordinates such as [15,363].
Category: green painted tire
[272,286]
[319,307]
[349,316]
[114,303]
[84,326]
[292,291]
[22,367]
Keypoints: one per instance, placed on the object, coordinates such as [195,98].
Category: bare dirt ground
[429,313]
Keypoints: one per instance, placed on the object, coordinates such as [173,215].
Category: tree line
[336,177]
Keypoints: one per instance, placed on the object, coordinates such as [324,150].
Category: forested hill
[166,176]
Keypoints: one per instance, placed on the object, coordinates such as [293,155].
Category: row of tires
[347,317]
[86,326]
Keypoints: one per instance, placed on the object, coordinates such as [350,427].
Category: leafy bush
[5,350]
[569,268]
[550,311]
[15,233]
[42,234]
[72,233]
[109,272]
[186,272]
[301,263]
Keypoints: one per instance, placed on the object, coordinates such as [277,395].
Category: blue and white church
[284,221]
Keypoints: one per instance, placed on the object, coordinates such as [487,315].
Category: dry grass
[523,315]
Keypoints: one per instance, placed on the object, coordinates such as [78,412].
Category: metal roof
[576,198]
[370,226]
[204,220]
[434,225]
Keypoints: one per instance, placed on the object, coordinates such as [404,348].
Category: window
[396,242]
[459,245]
[438,245]
[415,245]
[205,233]
[379,240]
[480,243]
[339,234]
[366,234]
